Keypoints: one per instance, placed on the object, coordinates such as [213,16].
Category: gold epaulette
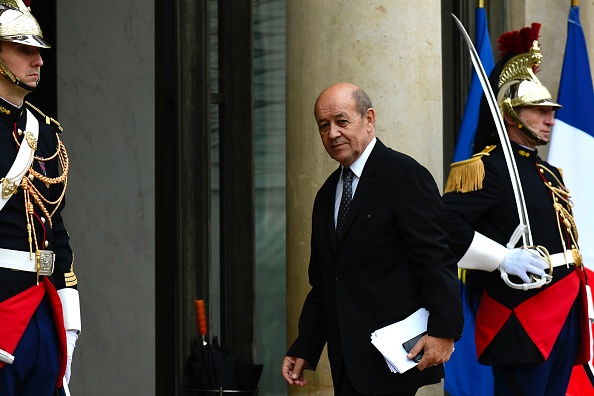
[468,175]
[48,120]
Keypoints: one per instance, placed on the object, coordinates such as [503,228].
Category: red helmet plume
[517,41]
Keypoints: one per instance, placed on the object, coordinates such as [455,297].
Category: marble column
[393,51]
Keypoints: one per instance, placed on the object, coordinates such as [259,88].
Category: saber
[66,389]
[6,357]
[523,228]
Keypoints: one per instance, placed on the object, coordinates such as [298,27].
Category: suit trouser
[340,377]
[347,389]
[36,366]
[550,378]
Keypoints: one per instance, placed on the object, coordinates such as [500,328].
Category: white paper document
[388,340]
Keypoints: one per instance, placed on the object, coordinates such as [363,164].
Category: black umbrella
[210,367]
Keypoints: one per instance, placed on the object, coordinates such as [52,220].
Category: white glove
[71,338]
[520,262]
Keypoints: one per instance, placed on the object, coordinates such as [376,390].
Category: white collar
[359,164]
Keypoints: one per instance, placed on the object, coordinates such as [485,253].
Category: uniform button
[43,220]
[46,243]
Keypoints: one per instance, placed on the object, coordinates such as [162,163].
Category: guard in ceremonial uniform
[39,302]
[531,318]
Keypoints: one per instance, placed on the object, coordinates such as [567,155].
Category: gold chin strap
[506,107]
[7,73]
[13,79]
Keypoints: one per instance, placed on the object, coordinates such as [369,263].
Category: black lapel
[331,196]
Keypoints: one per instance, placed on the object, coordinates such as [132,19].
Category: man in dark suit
[374,262]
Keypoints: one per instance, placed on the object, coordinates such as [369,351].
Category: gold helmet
[518,85]
[18,25]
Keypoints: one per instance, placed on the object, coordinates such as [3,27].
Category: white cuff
[483,254]
[71,308]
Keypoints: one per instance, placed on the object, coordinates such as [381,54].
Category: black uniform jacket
[492,212]
[13,223]
[392,260]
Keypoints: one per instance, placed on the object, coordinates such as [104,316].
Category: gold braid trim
[468,175]
[36,195]
[48,120]
[32,194]
[565,220]
[70,277]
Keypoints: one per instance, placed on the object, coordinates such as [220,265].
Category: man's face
[23,61]
[344,132]
[540,120]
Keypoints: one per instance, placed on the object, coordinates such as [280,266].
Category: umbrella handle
[201,317]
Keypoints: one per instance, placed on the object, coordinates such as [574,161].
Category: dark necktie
[345,201]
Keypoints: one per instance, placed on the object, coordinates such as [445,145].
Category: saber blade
[524,225]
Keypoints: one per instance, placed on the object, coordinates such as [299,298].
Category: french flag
[464,142]
[572,140]
[571,149]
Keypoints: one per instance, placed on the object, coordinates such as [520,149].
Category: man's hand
[435,351]
[293,370]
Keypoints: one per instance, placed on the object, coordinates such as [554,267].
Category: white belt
[559,259]
[22,261]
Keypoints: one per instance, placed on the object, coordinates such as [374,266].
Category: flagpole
[575,3]
[481,3]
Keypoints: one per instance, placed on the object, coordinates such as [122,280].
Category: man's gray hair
[362,101]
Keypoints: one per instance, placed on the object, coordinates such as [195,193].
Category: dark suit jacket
[393,259]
